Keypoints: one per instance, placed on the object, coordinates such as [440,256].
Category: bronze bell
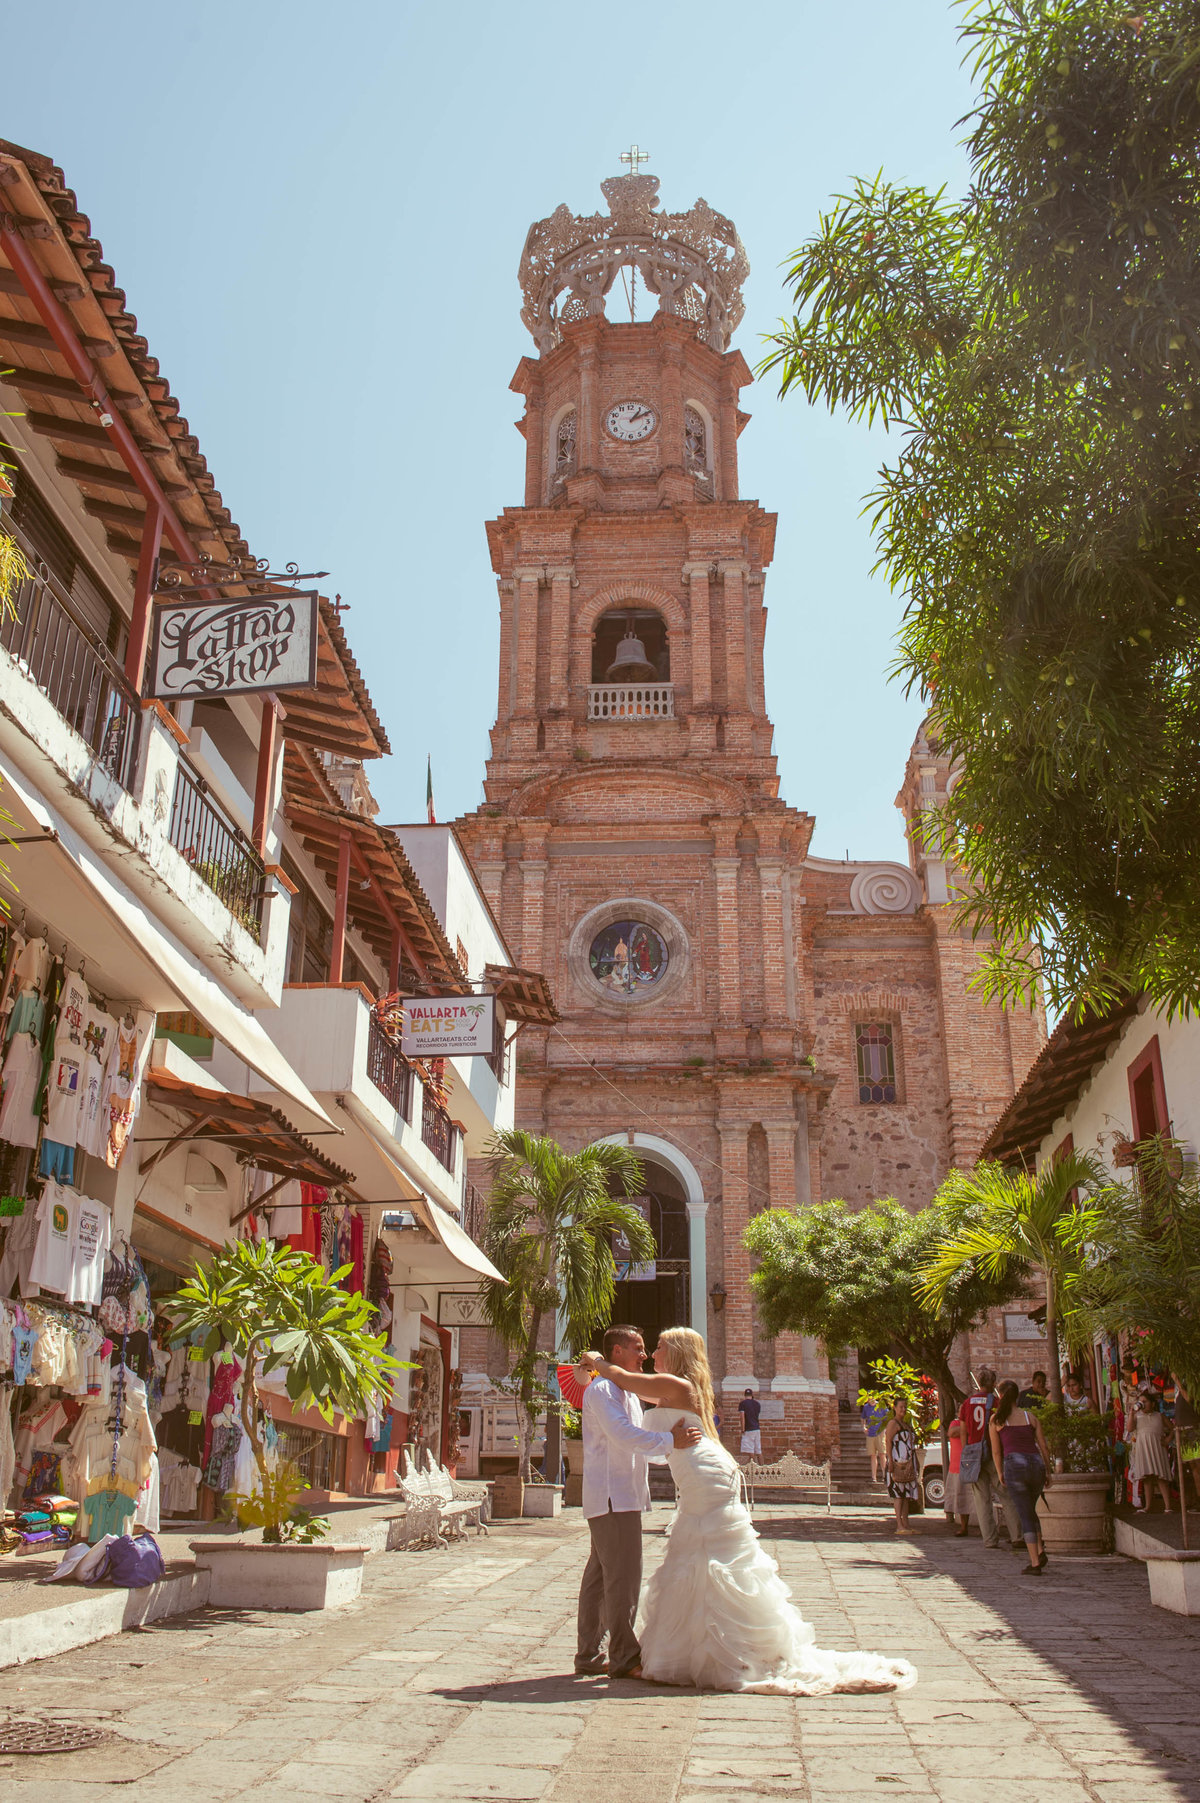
[631,663]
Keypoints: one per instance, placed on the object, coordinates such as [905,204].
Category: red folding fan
[569,1384]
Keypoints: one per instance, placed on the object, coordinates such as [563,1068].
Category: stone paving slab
[451,1679]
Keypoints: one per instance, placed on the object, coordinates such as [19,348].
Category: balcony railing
[438,1131]
[474,1213]
[631,701]
[389,1070]
[71,665]
[216,849]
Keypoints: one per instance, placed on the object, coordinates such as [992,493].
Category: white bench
[789,1473]
[437,1509]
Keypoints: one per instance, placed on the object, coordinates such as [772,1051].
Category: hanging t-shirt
[89,1249]
[66,1065]
[22,1073]
[123,1083]
[51,1266]
[98,1037]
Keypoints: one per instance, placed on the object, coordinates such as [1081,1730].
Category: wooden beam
[65,388]
[114,514]
[23,331]
[264,778]
[72,431]
[144,586]
[121,479]
[66,292]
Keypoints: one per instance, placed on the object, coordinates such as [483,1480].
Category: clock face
[631,420]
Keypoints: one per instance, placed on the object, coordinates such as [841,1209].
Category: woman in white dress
[716,1612]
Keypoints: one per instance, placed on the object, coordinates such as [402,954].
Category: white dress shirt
[616,1449]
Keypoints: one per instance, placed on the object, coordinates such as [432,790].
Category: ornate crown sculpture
[694,262]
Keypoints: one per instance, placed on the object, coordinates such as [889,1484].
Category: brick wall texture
[739,1064]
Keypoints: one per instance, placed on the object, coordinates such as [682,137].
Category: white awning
[109,926]
[457,1243]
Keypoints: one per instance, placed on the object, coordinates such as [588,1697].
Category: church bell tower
[632,841]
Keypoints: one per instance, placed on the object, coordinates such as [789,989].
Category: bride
[716,1612]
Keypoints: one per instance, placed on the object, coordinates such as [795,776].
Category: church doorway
[656,1298]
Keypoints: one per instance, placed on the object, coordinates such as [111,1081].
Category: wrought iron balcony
[216,849]
[73,666]
[389,1070]
[438,1132]
[631,701]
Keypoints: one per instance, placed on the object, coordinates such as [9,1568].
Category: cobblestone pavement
[451,1680]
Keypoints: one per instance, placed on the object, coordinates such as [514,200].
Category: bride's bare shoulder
[673,1392]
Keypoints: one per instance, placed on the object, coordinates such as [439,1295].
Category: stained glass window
[876,1062]
[628,957]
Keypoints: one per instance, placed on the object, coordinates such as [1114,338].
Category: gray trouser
[987,1491]
[612,1582]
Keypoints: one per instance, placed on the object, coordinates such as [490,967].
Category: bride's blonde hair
[687,1357]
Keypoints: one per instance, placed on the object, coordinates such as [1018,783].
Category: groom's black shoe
[590,1668]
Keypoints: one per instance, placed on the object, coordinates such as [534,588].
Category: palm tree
[551,1218]
[1023,1221]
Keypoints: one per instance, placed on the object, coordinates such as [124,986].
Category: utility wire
[752,1189]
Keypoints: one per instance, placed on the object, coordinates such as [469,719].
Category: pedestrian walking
[900,1458]
[873,1416]
[978,1469]
[1149,1462]
[750,1410]
[957,1500]
[1019,1454]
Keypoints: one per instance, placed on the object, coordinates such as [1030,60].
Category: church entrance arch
[675,1295]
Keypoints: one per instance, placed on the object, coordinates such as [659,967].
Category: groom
[616,1494]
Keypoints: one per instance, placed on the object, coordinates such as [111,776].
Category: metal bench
[437,1509]
[789,1473]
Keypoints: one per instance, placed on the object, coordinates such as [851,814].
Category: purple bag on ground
[133,1562]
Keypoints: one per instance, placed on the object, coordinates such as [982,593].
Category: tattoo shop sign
[447,1026]
[244,647]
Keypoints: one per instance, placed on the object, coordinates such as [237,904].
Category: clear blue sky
[317,212]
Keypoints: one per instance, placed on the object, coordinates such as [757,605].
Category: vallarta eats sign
[452,1026]
[250,646]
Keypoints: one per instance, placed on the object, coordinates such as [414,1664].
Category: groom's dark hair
[619,1336]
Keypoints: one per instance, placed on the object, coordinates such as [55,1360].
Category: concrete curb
[95,1615]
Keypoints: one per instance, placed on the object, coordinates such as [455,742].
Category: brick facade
[735,1072]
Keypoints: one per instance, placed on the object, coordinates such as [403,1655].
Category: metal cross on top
[635,157]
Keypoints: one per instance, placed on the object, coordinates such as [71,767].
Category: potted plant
[271,1303]
[1075,1511]
[550,1224]
[572,1432]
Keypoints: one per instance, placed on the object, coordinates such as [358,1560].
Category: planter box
[1175,1581]
[507,1497]
[1074,1512]
[245,1574]
[542,1499]
[573,1491]
[573,1454]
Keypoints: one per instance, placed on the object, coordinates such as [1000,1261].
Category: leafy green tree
[1024,1224]
[549,1230]
[1037,347]
[267,1301]
[850,1277]
[1140,1262]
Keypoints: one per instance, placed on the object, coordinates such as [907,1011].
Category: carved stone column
[775,949]
[533,892]
[726,869]
[781,1161]
[562,580]
[508,668]
[735,1213]
[700,621]
[528,583]
[734,574]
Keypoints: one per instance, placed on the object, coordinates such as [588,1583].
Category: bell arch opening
[631,644]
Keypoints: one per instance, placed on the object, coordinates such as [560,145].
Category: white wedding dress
[716,1612]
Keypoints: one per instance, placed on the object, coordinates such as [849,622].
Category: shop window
[321,1458]
[875,1051]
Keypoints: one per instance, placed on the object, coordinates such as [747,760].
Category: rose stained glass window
[628,957]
